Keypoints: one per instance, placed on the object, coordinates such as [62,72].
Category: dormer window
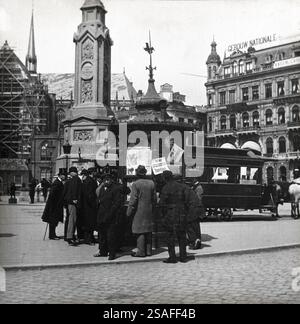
[249,67]
[241,67]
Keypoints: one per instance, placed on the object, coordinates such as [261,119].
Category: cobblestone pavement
[22,231]
[265,277]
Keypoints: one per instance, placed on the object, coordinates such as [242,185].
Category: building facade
[253,101]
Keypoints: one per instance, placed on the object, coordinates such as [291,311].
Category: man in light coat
[141,205]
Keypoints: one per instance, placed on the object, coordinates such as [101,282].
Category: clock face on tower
[87,71]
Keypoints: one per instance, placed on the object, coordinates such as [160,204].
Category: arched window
[270,173]
[210,124]
[214,71]
[296,143]
[45,152]
[282,145]
[283,172]
[241,67]
[269,146]
[235,68]
[255,117]
[246,120]
[269,117]
[296,114]
[209,72]
[281,116]
[223,121]
[232,122]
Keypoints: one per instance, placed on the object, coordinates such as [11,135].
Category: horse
[294,191]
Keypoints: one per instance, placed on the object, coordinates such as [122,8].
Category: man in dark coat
[173,203]
[32,185]
[110,206]
[72,197]
[53,212]
[45,186]
[88,206]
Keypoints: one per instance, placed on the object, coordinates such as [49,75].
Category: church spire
[31,59]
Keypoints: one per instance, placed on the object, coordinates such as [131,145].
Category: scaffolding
[23,106]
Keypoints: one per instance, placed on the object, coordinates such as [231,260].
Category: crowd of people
[36,188]
[97,203]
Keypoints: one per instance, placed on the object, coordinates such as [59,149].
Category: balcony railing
[294,124]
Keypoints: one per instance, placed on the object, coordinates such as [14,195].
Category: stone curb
[142,260]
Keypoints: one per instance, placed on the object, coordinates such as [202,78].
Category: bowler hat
[73,169]
[168,175]
[84,172]
[141,170]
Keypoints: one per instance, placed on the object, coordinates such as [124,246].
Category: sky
[182,32]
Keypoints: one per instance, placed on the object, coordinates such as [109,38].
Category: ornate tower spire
[151,93]
[31,59]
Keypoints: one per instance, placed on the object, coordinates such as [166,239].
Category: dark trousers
[31,195]
[193,232]
[107,239]
[52,232]
[176,232]
[66,223]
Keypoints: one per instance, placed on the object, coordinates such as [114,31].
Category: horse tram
[232,180]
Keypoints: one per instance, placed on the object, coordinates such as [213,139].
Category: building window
[280,88]
[255,93]
[249,67]
[46,173]
[232,122]
[181,120]
[256,119]
[270,174]
[222,98]
[246,120]
[214,71]
[269,146]
[296,114]
[223,122]
[268,90]
[282,145]
[241,67]
[46,154]
[269,117]
[283,173]
[296,143]
[235,68]
[210,124]
[295,86]
[281,116]
[281,56]
[232,96]
[209,99]
[227,71]
[245,94]
[18,180]
[191,121]
[209,72]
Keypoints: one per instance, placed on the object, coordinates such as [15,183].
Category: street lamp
[67,150]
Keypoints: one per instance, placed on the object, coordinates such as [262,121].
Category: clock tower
[91,114]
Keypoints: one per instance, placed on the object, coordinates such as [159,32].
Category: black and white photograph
[149,154]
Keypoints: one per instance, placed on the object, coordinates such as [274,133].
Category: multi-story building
[254,102]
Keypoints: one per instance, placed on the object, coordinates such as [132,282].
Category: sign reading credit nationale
[252,43]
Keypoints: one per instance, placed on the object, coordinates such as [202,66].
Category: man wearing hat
[72,196]
[110,206]
[53,213]
[88,212]
[173,203]
[141,205]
